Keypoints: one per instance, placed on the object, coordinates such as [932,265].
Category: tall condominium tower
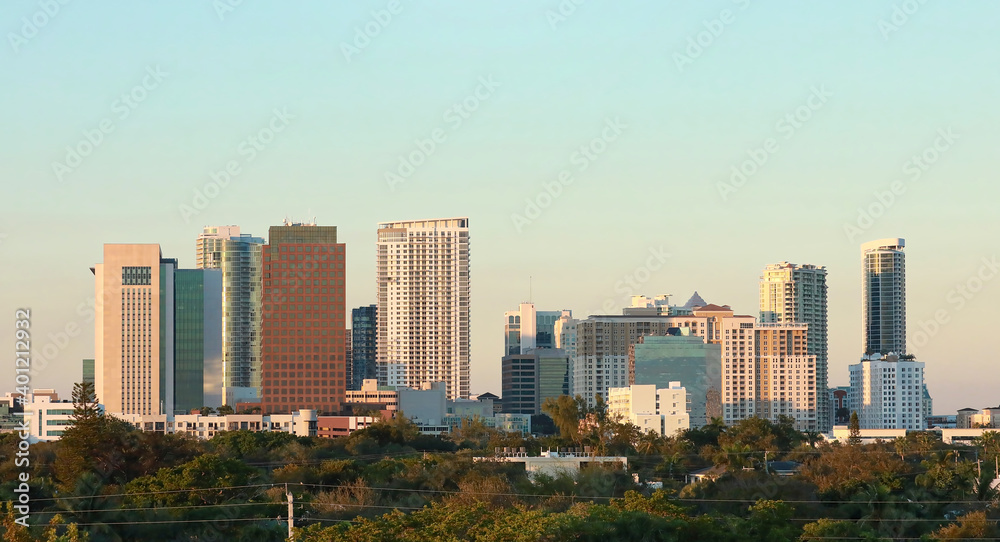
[422,276]
[791,293]
[883,296]
[364,345]
[239,257]
[157,333]
[302,356]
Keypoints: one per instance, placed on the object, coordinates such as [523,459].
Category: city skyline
[482,372]
[598,169]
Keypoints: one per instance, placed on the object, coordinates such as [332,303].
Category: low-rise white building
[47,416]
[663,411]
[553,463]
[301,423]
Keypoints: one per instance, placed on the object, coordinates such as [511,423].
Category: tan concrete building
[793,293]
[787,375]
[130,285]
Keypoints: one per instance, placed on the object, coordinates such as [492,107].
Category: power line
[166,491]
[116,510]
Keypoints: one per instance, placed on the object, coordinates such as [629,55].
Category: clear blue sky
[685,122]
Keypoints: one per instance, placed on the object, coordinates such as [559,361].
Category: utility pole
[291,513]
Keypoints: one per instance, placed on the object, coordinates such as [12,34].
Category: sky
[679,145]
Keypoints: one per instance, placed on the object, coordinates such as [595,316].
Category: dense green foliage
[106,481]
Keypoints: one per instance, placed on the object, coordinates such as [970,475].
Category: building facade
[604,343]
[564,332]
[239,257]
[301,423]
[88,371]
[787,376]
[887,392]
[133,357]
[302,356]
[364,344]
[659,360]
[661,410]
[527,380]
[791,293]
[157,344]
[883,296]
[526,329]
[198,349]
[422,276]
[47,417]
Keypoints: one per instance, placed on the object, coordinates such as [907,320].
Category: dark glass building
[364,344]
[527,380]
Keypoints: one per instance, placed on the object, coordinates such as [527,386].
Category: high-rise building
[197,339]
[88,371]
[239,257]
[422,274]
[526,329]
[157,332]
[786,375]
[887,392]
[527,380]
[364,344]
[681,357]
[564,332]
[883,296]
[348,358]
[791,293]
[133,357]
[302,357]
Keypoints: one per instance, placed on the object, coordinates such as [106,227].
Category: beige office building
[422,276]
[133,364]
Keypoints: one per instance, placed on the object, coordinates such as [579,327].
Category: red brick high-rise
[302,357]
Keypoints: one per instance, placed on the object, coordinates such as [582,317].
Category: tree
[85,408]
[972,526]
[565,413]
[903,446]
[855,425]
[93,443]
[829,529]
[206,411]
[225,410]
[13,531]
[770,520]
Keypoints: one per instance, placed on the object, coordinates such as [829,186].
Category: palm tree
[648,443]
[903,446]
